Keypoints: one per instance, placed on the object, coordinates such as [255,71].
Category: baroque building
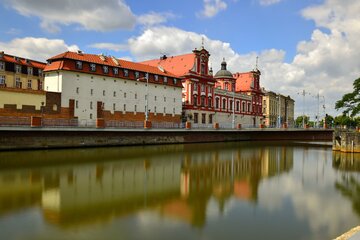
[98,86]
[209,99]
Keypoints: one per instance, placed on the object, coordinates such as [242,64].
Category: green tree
[350,102]
[299,120]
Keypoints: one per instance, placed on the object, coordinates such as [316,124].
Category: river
[238,190]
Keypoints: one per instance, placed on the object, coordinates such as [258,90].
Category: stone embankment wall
[346,141]
[67,138]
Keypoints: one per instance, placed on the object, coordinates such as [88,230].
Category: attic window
[165,79]
[115,71]
[175,81]
[126,73]
[78,65]
[2,66]
[92,67]
[106,69]
[137,74]
[156,77]
[17,68]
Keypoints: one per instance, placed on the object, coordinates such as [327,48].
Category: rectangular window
[195,118]
[114,106]
[103,92]
[156,77]
[203,118]
[137,75]
[165,79]
[164,110]
[164,99]
[135,95]
[92,67]
[175,81]
[29,83]
[18,82]
[78,65]
[91,116]
[30,71]
[116,71]
[124,94]
[2,65]
[203,87]
[40,84]
[155,109]
[105,69]
[174,99]
[124,107]
[17,68]
[2,80]
[195,87]
[135,108]
[210,118]
[114,94]
[77,90]
[77,104]
[173,110]
[155,98]
[91,92]
[40,72]
[91,105]
[126,73]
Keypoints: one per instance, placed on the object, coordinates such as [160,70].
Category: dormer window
[40,72]
[17,68]
[106,69]
[126,73]
[2,65]
[115,71]
[92,67]
[165,79]
[156,77]
[137,75]
[79,65]
[175,81]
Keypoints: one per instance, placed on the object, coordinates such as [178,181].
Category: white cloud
[154,18]
[268,2]
[327,63]
[110,46]
[90,14]
[211,8]
[36,48]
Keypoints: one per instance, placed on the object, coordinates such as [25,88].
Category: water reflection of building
[176,185]
[346,161]
[349,183]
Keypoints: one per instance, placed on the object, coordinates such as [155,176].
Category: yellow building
[17,72]
[278,109]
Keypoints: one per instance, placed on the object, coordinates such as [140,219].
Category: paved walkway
[353,234]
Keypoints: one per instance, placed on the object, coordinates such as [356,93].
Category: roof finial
[202,42]
[257,61]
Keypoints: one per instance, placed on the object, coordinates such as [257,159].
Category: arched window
[195,99]
[231,105]
[209,102]
[237,106]
[243,107]
[224,104]
[203,101]
[217,103]
[226,86]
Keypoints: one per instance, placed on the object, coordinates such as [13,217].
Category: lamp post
[146,96]
[233,108]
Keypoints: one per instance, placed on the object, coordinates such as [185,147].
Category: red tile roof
[22,61]
[179,65]
[108,60]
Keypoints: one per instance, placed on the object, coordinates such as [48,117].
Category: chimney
[163,57]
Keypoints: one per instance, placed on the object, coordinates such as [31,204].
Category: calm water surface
[198,191]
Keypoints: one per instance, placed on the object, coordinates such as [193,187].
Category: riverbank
[352,234]
[48,138]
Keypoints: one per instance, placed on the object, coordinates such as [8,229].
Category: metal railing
[166,125]
[124,124]
[6,121]
[59,122]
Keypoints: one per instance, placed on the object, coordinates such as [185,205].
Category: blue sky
[301,44]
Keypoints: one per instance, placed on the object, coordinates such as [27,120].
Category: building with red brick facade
[209,99]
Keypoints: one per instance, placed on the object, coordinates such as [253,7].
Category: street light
[146,96]
[233,108]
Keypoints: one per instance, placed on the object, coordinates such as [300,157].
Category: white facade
[117,94]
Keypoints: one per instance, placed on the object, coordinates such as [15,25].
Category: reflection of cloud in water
[317,204]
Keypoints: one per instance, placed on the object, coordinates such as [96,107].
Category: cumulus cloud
[154,18]
[268,2]
[327,63]
[211,8]
[36,48]
[110,46]
[89,14]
